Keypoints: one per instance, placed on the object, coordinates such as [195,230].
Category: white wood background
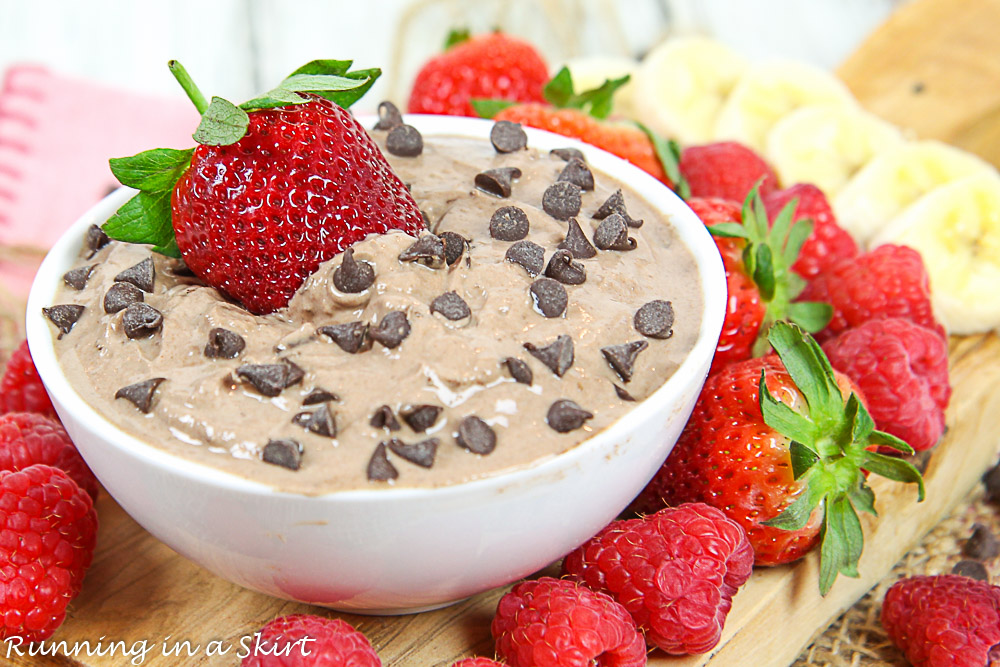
[235,48]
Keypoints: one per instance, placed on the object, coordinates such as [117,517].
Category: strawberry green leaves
[668,152]
[597,102]
[223,123]
[831,445]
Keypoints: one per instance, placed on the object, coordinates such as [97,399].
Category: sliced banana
[682,84]
[897,177]
[826,144]
[589,72]
[956,229]
[768,91]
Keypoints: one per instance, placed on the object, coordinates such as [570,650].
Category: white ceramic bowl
[390,550]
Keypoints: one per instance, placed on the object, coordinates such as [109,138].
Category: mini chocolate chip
[286,453]
[616,204]
[320,421]
[350,336]
[391,330]
[77,278]
[982,544]
[140,394]
[142,275]
[612,234]
[353,276]
[565,269]
[509,223]
[576,242]
[224,344]
[141,320]
[388,116]
[557,355]
[319,395]
[528,255]
[451,305]
[383,418]
[271,379]
[972,569]
[562,200]
[476,435]
[454,246]
[95,240]
[180,269]
[420,417]
[622,394]
[64,316]
[497,181]
[622,357]
[578,173]
[568,153]
[122,295]
[991,480]
[549,296]
[508,137]
[428,250]
[421,453]
[404,141]
[426,218]
[565,415]
[379,468]
[655,319]
[519,370]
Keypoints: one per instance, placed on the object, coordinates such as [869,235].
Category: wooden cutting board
[142,595]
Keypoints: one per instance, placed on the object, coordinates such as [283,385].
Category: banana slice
[589,72]
[768,91]
[826,144]
[956,229]
[682,84]
[896,178]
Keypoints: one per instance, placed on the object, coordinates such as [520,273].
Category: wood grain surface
[145,596]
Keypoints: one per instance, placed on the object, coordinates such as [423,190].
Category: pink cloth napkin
[56,135]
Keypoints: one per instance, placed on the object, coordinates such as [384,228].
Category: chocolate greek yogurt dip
[477,349]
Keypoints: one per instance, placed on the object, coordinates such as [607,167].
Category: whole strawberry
[277,186]
[902,370]
[48,530]
[760,286]
[21,390]
[726,169]
[773,443]
[675,571]
[28,438]
[550,622]
[828,242]
[494,65]
[304,640]
[889,281]
[944,620]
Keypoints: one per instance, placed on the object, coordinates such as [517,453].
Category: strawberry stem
[187,83]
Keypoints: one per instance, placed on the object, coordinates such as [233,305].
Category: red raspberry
[675,571]
[48,530]
[828,241]
[21,390]
[492,66]
[944,620]
[902,369]
[558,623]
[27,438]
[304,640]
[477,662]
[889,281]
[726,169]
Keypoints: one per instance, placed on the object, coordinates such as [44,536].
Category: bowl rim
[689,230]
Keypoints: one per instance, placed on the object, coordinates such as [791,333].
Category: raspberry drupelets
[21,390]
[304,640]
[492,66]
[558,623]
[944,620]
[27,438]
[902,370]
[726,169]
[477,662]
[48,530]
[675,571]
